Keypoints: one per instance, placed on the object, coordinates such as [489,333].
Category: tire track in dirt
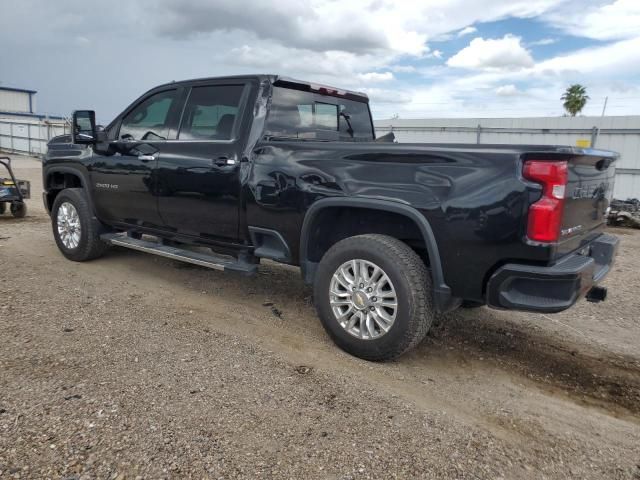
[579,372]
[590,376]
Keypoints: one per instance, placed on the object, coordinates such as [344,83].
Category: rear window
[294,113]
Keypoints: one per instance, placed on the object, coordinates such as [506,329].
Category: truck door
[198,182]
[123,177]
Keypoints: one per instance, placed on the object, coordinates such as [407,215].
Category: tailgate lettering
[590,191]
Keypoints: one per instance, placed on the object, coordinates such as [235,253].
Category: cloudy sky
[425,58]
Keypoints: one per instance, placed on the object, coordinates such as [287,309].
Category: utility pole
[604,109]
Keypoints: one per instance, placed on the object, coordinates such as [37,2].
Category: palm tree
[575,98]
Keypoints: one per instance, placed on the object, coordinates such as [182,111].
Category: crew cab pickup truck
[225,172]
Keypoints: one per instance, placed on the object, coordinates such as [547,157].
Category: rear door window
[211,112]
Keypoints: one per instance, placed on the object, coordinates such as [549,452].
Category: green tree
[575,98]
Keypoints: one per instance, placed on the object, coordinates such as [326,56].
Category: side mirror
[83,131]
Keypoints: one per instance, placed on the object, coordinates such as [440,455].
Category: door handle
[224,161]
[146,158]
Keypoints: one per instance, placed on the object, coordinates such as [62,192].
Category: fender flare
[441,292]
[84,181]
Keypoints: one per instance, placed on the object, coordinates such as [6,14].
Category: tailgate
[588,193]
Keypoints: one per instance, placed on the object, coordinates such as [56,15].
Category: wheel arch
[442,293]
[58,178]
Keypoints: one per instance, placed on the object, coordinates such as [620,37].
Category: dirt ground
[133,366]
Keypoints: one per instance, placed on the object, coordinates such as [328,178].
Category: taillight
[545,216]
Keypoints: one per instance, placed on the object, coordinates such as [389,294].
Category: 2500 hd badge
[110,186]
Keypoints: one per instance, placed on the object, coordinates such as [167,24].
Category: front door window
[149,120]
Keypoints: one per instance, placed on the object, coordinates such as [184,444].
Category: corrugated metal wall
[12,101]
[620,134]
[29,135]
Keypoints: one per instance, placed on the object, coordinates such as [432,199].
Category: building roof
[22,90]
[4,114]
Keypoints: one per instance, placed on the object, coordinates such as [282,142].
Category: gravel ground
[133,366]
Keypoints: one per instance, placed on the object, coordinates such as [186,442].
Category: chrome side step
[196,258]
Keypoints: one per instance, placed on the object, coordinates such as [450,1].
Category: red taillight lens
[545,216]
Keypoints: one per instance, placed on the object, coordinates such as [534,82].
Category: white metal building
[22,130]
[620,134]
[17,100]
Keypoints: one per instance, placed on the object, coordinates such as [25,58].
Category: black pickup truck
[224,172]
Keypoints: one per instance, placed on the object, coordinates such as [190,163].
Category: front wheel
[76,231]
[373,296]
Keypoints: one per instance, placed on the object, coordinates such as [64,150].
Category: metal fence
[30,136]
[620,134]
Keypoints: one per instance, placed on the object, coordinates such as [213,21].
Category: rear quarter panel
[473,199]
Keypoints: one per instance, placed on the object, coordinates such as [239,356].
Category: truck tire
[76,231]
[373,296]
[3,207]
[18,209]
[471,304]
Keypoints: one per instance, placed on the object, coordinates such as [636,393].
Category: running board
[203,259]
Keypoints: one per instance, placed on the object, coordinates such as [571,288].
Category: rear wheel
[471,304]
[373,296]
[3,207]
[76,231]
[18,209]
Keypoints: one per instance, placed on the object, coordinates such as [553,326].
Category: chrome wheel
[69,228]
[363,299]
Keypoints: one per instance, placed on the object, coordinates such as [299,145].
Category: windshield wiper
[347,118]
[270,138]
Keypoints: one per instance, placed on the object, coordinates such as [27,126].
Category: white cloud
[467,31]
[382,96]
[490,93]
[82,41]
[360,44]
[359,26]
[592,67]
[320,25]
[617,20]
[342,69]
[374,77]
[612,60]
[505,53]
[509,90]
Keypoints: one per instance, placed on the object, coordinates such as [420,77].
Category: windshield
[299,114]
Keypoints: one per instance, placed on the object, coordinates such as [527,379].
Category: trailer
[13,192]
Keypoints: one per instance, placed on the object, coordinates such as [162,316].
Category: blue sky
[427,58]
[543,39]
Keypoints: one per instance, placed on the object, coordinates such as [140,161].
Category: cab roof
[287,82]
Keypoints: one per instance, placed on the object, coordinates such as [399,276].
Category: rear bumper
[553,288]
